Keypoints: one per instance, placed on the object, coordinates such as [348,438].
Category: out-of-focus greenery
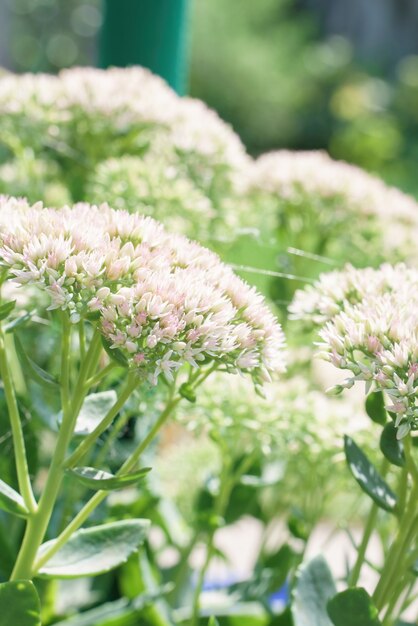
[51,34]
[268,70]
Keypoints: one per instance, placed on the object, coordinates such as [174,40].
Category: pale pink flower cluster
[122,98]
[372,331]
[300,176]
[333,292]
[161,299]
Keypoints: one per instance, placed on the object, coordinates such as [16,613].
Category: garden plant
[149,400]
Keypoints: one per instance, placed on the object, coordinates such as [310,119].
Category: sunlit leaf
[368,477]
[19,604]
[94,409]
[314,588]
[11,501]
[95,550]
[353,607]
[100,480]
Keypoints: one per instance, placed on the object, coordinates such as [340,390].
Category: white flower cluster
[336,193]
[68,132]
[372,331]
[86,101]
[161,299]
[153,186]
[293,435]
[333,292]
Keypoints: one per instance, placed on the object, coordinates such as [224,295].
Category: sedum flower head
[292,434]
[160,299]
[131,105]
[334,292]
[331,195]
[372,331]
[153,186]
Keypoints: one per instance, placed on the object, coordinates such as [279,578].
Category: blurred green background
[300,74]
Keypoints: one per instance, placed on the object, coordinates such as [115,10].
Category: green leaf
[6,309]
[258,482]
[391,447]
[298,526]
[32,370]
[271,573]
[11,501]
[375,407]
[17,322]
[114,353]
[237,614]
[19,604]
[368,477]
[100,480]
[353,607]
[314,587]
[94,409]
[95,550]
[187,392]
[213,621]
[117,613]
[283,619]
[122,612]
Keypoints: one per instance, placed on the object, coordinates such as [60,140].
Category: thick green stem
[98,498]
[393,568]
[17,431]
[128,466]
[38,523]
[90,440]
[95,380]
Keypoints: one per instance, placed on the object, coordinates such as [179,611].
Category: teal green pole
[152,33]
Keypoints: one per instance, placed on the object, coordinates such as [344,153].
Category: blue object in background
[152,33]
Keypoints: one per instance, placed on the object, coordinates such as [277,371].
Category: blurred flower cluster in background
[299,73]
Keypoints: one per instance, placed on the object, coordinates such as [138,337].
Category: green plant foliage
[375,407]
[353,607]
[391,447]
[94,409]
[95,550]
[11,501]
[98,479]
[33,371]
[6,309]
[368,477]
[314,588]
[19,604]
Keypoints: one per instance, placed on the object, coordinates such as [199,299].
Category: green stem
[82,340]
[22,468]
[95,380]
[38,523]
[98,498]
[228,480]
[120,423]
[397,553]
[90,440]
[128,466]
[65,365]
[182,569]
[361,554]
[368,531]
